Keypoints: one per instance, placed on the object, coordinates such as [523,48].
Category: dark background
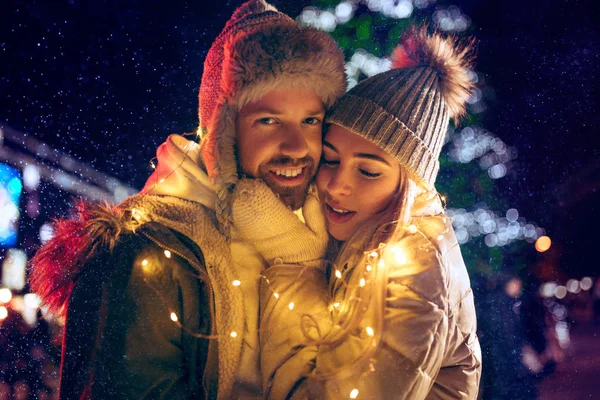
[107,81]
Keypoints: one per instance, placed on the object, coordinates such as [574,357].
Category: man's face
[279,141]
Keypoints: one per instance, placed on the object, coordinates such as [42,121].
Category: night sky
[107,81]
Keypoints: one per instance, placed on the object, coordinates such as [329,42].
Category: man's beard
[294,196]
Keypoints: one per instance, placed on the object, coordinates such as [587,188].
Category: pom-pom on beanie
[406,110]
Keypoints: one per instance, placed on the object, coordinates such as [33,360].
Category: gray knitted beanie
[406,111]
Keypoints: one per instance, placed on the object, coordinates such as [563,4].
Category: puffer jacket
[144,286]
[119,340]
[428,347]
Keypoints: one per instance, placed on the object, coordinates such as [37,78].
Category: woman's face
[356,180]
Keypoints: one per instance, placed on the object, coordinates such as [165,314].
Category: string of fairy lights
[376,263]
[469,144]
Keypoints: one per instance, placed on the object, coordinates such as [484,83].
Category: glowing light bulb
[373,254]
[543,244]
[136,214]
[398,255]
[174,317]
[370,331]
[152,165]
[233,334]
[338,273]
[291,305]
[162,180]
[276,295]
[381,264]
[412,228]
[336,304]
[144,262]
[5,295]
[354,394]
[167,254]
[369,268]
[3,313]
[362,282]
[236,283]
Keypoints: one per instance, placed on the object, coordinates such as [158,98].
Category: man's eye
[370,175]
[267,121]
[312,121]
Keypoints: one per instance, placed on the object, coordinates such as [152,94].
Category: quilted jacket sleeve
[413,343]
[428,347]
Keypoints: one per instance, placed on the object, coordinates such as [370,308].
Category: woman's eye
[370,175]
[312,121]
[329,163]
[267,121]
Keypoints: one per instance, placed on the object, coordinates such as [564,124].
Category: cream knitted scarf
[179,196]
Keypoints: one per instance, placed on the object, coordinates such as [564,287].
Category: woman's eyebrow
[329,145]
[370,156]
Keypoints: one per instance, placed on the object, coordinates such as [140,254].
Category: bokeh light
[560,292]
[543,243]
[586,283]
[3,313]
[5,295]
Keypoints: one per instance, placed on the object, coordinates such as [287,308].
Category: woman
[398,320]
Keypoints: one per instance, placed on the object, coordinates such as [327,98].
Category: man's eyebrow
[263,110]
[316,112]
[273,111]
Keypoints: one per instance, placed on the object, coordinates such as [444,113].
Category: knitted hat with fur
[406,111]
[259,50]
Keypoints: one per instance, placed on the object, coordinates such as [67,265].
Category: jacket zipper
[206,279]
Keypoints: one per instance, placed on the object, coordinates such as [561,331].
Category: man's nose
[294,144]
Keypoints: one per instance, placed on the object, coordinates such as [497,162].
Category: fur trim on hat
[282,57]
[249,8]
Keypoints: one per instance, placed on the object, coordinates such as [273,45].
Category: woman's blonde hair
[358,300]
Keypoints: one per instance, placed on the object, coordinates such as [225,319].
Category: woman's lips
[337,217]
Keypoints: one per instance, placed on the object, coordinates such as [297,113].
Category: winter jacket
[146,288]
[428,347]
[119,339]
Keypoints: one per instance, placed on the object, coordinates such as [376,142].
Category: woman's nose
[338,185]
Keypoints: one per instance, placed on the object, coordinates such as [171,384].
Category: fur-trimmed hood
[57,264]
[98,227]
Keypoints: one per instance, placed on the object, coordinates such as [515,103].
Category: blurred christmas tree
[368,30]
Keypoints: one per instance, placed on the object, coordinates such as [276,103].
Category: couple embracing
[300,250]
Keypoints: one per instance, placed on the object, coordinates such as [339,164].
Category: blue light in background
[11,187]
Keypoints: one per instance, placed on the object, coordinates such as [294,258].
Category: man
[160,293]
